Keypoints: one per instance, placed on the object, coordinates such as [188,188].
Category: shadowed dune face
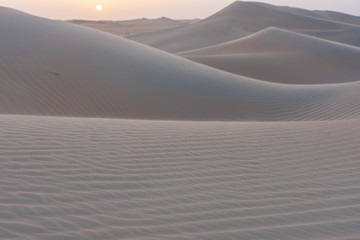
[245,18]
[281,56]
[54,68]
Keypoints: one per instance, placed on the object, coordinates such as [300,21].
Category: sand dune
[285,57]
[193,36]
[244,18]
[71,178]
[286,167]
[93,74]
[340,17]
[329,15]
[128,27]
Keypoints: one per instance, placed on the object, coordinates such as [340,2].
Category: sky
[176,9]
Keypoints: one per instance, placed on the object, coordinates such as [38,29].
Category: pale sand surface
[93,74]
[73,178]
[244,18]
[128,27]
[282,56]
[286,167]
[324,14]
[340,17]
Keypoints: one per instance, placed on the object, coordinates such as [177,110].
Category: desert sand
[283,57]
[73,178]
[130,27]
[249,131]
[244,18]
[93,74]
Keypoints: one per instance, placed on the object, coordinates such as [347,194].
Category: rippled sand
[105,138]
[72,178]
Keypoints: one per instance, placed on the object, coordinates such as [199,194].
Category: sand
[129,27]
[94,74]
[340,17]
[72,178]
[244,18]
[103,137]
[283,57]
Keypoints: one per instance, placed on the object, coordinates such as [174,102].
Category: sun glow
[99,7]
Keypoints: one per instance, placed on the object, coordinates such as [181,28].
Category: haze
[130,9]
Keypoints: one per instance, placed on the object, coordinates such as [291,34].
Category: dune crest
[281,56]
[93,74]
[129,27]
[240,19]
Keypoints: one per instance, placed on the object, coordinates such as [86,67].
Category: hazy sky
[130,9]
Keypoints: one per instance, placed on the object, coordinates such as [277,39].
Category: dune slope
[72,178]
[197,35]
[340,17]
[136,26]
[54,68]
[325,14]
[282,56]
[244,18]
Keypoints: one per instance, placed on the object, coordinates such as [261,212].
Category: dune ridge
[136,26]
[277,55]
[340,17]
[244,18]
[94,74]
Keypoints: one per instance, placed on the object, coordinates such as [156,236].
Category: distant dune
[281,56]
[103,137]
[128,27]
[244,18]
[340,17]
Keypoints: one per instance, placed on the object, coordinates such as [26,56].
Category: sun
[99,7]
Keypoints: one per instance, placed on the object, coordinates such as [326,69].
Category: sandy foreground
[73,178]
[234,128]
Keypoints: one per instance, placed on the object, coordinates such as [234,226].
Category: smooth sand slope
[54,68]
[282,56]
[72,178]
[128,27]
[198,35]
[340,17]
[244,18]
[329,15]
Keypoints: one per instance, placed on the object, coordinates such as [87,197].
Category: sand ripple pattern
[73,178]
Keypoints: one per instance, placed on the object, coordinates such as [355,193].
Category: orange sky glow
[131,9]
